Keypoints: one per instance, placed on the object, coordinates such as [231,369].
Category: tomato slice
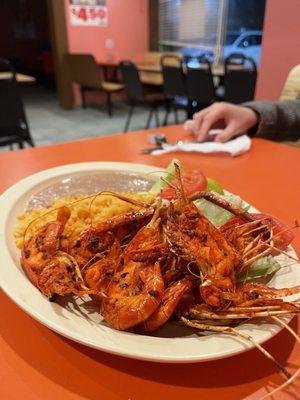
[192,182]
[283,239]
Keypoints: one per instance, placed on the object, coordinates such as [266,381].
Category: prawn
[193,237]
[171,297]
[49,269]
[101,236]
[100,273]
[136,289]
[252,235]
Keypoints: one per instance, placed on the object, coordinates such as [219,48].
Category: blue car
[245,41]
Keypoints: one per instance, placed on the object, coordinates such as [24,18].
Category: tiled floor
[50,124]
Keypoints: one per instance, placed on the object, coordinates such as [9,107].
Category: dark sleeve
[279,118]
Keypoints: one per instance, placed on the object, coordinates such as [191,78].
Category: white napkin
[234,147]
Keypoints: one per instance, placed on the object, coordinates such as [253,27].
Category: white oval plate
[79,322]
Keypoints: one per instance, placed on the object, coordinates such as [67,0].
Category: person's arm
[279,117]
[233,121]
[257,117]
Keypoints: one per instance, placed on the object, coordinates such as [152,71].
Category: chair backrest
[240,78]
[199,82]
[83,69]
[13,121]
[291,88]
[154,57]
[173,76]
[132,83]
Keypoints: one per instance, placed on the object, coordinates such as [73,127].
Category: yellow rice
[83,212]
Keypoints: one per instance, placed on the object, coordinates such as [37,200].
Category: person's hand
[233,120]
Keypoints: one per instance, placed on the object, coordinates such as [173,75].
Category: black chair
[14,127]
[200,84]
[240,78]
[136,95]
[174,86]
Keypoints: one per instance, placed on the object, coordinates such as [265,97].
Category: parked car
[247,43]
[244,41]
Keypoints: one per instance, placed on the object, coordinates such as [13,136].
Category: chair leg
[28,138]
[167,108]
[109,104]
[21,146]
[166,118]
[129,117]
[176,115]
[30,142]
[149,118]
[83,102]
[156,117]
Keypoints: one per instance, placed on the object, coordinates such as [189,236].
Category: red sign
[89,13]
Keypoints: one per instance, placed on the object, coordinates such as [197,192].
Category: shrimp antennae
[168,183]
[292,378]
[93,196]
[231,331]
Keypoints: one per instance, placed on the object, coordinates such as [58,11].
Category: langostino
[162,261]
[56,264]
[51,270]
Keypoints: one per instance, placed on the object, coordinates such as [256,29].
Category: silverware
[149,151]
[179,143]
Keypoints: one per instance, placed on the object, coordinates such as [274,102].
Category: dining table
[37,363]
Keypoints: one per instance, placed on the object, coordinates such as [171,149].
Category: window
[213,27]
[191,24]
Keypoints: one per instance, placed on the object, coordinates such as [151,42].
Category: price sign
[89,13]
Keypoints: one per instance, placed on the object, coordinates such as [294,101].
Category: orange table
[36,363]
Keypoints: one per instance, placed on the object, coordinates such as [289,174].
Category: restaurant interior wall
[125,37]
[280,47]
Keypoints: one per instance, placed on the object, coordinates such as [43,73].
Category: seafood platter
[159,265]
